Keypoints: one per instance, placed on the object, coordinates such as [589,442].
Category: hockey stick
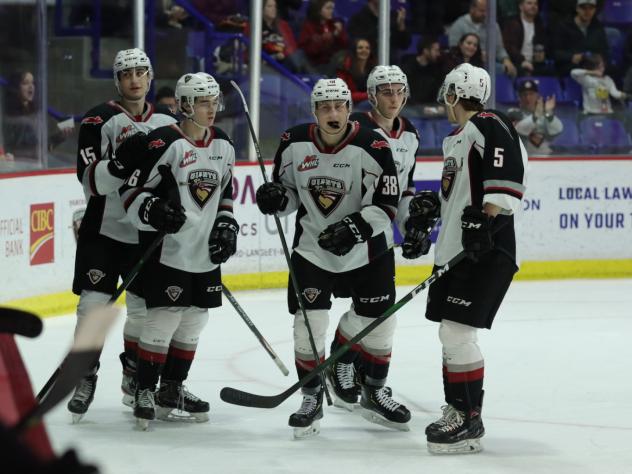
[253,328]
[286,251]
[15,321]
[174,195]
[239,397]
[83,354]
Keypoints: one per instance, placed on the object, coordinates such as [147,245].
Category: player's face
[205,110]
[332,115]
[390,99]
[134,83]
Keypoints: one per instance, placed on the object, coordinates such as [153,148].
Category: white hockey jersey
[204,173]
[404,142]
[328,183]
[102,130]
[484,162]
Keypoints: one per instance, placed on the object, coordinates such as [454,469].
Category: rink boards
[576,222]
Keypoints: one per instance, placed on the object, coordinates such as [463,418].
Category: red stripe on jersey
[153,357]
[375,359]
[464,377]
[181,353]
[504,190]
[226,208]
[130,345]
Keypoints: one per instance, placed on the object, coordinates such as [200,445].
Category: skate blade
[305,432]
[128,400]
[175,415]
[77,417]
[378,419]
[142,424]
[468,446]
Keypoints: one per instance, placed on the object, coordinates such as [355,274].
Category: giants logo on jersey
[327,193]
[173,292]
[202,185]
[190,157]
[96,120]
[309,163]
[125,132]
[450,168]
[156,144]
[311,294]
[379,144]
[285,136]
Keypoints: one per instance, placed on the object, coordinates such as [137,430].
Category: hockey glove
[271,198]
[223,240]
[416,243]
[340,237]
[128,156]
[477,232]
[162,215]
[423,209]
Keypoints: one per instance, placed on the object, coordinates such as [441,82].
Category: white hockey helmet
[212,81]
[466,82]
[385,75]
[194,85]
[330,89]
[128,59]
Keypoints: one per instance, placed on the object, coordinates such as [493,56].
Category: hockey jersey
[328,183]
[404,142]
[204,173]
[102,130]
[484,162]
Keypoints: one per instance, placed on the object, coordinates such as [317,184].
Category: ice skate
[175,403]
[128,383]
[82,398]
[342,381]
[456,432]
[144,408]
[379,407]
[306,420]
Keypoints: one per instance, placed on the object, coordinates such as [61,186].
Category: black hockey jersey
[484,162]
[404,141]
[204,173]
[328,183]
[102,130]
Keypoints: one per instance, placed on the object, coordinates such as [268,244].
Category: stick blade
[245,399]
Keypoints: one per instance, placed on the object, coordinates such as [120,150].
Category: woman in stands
[355,69]
[467,51]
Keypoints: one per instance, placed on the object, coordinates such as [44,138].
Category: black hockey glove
[162,215]
[477,237]
[424,208]
[128,156]
[416,243]
[223,240]
[340,237]
[271,198]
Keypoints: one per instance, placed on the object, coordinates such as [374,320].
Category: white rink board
[574,209]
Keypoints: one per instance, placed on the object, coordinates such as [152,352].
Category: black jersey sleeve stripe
[508,191]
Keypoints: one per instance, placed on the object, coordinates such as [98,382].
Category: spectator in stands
[521,33]
[535,119]
[424,71]
[323,39]
[474,22]
[579,36]
[560,11]
[356,67]
[171,15]
[22,119]
[277,39]
[597,87]
[466,51]
[364,24]
[167,96]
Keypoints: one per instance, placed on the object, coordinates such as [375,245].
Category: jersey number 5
[498,157]
[390,185]
[87,155]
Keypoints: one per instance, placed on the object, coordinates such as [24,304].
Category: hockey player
[481,189]
[342,180]
[107,241]
[388,90]
[183,278]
